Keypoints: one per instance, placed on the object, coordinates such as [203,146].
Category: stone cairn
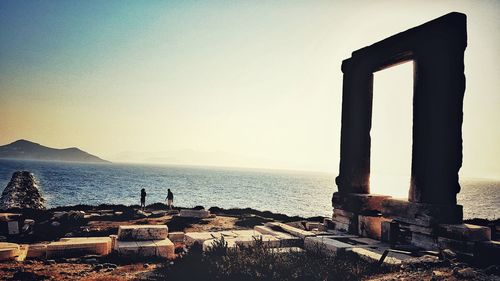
[22,192]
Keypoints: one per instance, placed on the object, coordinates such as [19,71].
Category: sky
[228,83]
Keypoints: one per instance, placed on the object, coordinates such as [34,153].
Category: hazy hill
[23,149]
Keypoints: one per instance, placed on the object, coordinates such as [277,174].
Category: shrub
[259,262]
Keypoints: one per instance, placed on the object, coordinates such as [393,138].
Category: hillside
[23,149]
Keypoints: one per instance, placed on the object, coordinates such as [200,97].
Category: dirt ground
[434,274]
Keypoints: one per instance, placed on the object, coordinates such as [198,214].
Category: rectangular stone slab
[325,244]
[4,217]
[142,232]
[165,248]
[8,251]
[290,229]
[176,236]
[207,244]
[466,232]
[37,251]
[421,214]
[374,256]
[78,247]
[286,239]
[99,238]
[191,238]
[456,245]
[126,247]
[428,242]
[153,248]
[249,241]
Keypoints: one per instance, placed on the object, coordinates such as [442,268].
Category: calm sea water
[293,193]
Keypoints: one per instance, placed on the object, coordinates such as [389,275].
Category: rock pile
[22,192]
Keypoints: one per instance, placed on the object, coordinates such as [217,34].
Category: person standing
[143,198]
[170,199]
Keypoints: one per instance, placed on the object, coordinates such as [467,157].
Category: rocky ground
[61,222]
[56,223]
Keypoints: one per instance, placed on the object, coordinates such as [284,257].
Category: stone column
[437,126]
[357,93]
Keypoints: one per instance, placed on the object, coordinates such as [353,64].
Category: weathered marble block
[374,256]
[290,229]
[153,248]
[76,247]
[8,251]
[142,232]
[421,214]
[176,236]
[266,230]
[192,238]
[467,232]
[425,241]
[325,244]
[37,251]
[456,245]
[369,226]
[165,248]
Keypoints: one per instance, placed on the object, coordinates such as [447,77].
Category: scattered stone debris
[201,213]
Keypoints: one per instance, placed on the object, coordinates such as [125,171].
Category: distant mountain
[23,149]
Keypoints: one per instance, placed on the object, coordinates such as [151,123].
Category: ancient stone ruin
[430,218]
[22,192]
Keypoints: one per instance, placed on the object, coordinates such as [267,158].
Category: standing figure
[170,199]
[143,198]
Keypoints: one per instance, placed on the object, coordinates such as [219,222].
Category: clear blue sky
[236,83]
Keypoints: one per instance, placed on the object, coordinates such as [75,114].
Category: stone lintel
[358,203]
[422,214]
[290,229]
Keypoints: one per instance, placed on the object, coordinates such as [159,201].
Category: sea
[298,193]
